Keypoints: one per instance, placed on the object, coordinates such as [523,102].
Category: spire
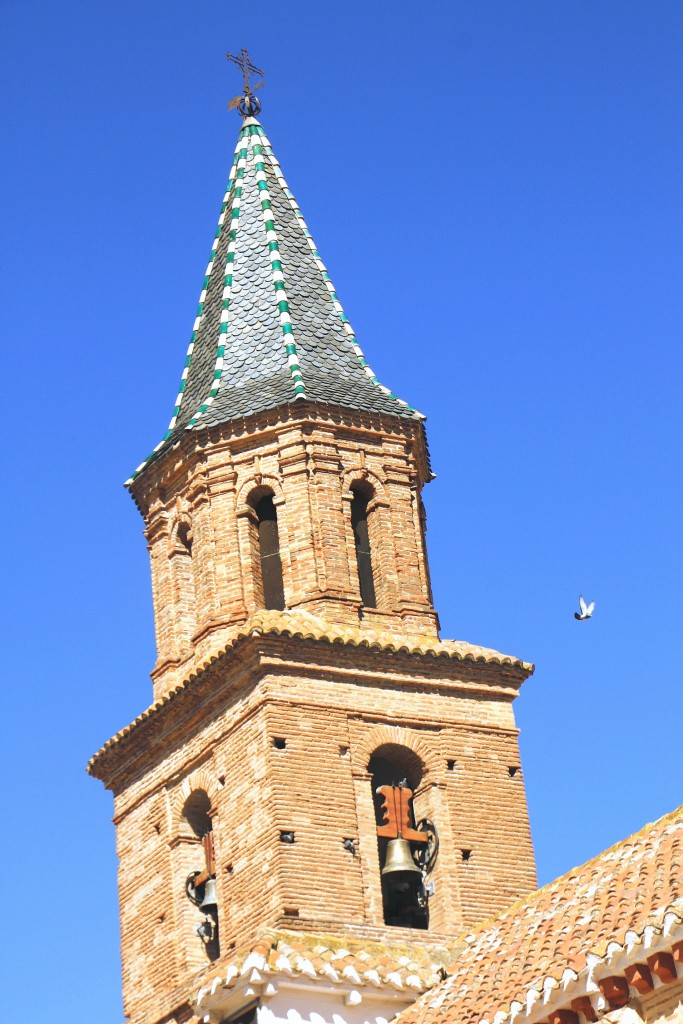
[270,329]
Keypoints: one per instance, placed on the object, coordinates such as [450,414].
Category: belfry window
[184,584]
[184,535]
[361,536]
[269,553]
[406,851]
[200,885]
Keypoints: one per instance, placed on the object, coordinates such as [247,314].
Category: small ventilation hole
[287,837]
[466,854]
[279,742]
[450,765]
[512,770]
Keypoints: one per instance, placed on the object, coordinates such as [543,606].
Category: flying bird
[585,610]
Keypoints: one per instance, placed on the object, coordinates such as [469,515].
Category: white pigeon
[585,610]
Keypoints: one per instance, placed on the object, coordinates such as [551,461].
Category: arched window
[361,536]
[197,813]
[184,535]
[396,773]
[269,553]
[201,882]
[183,572]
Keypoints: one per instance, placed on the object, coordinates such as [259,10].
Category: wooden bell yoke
[397,814]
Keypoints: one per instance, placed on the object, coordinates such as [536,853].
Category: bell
[209,900]
[399,858]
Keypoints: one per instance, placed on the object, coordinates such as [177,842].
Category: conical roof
[269,328]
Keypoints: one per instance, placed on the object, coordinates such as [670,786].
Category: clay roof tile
[583,913]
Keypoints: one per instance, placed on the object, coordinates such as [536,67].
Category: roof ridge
[232,177]
[276,265]
[227,287]
[348,329]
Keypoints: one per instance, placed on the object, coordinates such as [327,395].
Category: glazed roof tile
[619,907]
[269,327]
[309,627]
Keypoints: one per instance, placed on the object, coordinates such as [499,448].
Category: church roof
[270,328]
[568,944]
[624,907]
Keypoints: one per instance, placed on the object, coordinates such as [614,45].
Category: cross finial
[247,104]
[246,66]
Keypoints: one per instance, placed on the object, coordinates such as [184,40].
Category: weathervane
[247,103]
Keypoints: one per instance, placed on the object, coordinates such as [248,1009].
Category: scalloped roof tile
[269,328]
[306,626]
[319,956]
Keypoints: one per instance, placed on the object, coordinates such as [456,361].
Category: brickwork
[279,732]
[664,1005]
[276,715]
[309,459]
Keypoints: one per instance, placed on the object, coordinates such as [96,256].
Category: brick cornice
[241,666]
[194,445]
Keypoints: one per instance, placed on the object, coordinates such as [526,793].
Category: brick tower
[323,794]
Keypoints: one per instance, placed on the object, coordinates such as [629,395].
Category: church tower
[323,795]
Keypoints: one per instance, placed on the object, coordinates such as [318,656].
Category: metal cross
[246,66]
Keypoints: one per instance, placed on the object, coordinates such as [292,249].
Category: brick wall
[333,705]
[309,459]
[278,730]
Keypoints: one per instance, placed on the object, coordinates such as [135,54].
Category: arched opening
[273,593]
[184,581]
[361,536]
[396,773]
[197,813]
[184,535]
[200,885]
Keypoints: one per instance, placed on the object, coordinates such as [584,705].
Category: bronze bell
[399,859]
[209,899]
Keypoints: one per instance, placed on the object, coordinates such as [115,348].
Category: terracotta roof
[374,964]
[619,908]
[309,627]
[305,625]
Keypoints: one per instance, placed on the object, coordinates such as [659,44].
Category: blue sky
[495,187]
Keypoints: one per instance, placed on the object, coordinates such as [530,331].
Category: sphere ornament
[249,105]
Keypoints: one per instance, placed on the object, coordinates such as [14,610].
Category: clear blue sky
[496,188]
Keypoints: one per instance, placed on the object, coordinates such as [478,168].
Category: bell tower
[318,769]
